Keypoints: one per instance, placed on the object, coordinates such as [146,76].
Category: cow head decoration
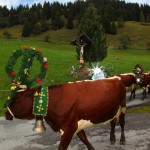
[139,76]
[21,107]
[20,103]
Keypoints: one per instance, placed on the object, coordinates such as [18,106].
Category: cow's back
[146,79]
[94,100]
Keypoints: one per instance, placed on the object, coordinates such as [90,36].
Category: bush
[46,38]
[120,23]
[124,42]
[148,45]
[37,29]
[113,28]
[7,34]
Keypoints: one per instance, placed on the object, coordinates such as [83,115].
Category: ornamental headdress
[138,71]
[21,80]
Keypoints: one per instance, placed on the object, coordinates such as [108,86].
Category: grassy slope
[139,34]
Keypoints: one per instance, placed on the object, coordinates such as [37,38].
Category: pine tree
[46,11]
[113,28]
[26,31]
[142,17]
[91,26]
[57,23]
[69,24]
[106,22]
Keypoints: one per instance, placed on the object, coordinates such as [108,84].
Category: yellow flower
[36,94]
[33,48]
[8,97]
[25,71]
[13,87]
[18,83]
[41,94]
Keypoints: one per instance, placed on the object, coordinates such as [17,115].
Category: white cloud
[139,1]
[9,3]
[15,3]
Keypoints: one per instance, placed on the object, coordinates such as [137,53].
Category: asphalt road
[18,134]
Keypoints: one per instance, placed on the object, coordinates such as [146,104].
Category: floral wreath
[22,77]
[138,71]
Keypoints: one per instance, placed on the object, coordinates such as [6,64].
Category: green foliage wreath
[138,71]
[22,77]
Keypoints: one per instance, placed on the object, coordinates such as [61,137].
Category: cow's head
[21,106]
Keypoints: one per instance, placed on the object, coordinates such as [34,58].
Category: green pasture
[61,57]
[145,108]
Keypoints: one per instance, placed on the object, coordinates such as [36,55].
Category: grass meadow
[60,59]
[62,56]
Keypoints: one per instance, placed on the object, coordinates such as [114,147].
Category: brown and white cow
[129,81]
[75,106]
[144,84]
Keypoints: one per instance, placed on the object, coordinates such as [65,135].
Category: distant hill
[139,35]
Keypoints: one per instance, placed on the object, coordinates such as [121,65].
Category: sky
[15,3]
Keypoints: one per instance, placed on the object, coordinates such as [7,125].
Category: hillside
[139,35]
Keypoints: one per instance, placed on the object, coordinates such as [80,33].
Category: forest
[53,16]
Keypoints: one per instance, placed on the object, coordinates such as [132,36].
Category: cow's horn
[39,126]
[22,86]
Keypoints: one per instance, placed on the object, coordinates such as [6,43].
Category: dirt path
[18,135]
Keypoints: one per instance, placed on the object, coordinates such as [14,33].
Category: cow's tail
[121,110]
[122,99]
[122,107]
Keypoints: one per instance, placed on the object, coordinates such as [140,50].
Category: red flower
[25,47]
[85,71]
[38,80]
[12,74]
[40,51]
[46,66]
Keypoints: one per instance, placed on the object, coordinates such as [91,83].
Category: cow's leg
[144,93]
[112,132]
[148,89]
[122,123]
[81,134]
[66,136]
[132,94]
[133,89]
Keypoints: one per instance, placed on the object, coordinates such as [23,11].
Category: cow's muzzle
[8,114]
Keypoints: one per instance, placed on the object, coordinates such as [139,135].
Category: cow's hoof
[113,142]
[122,142]
[91,148]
